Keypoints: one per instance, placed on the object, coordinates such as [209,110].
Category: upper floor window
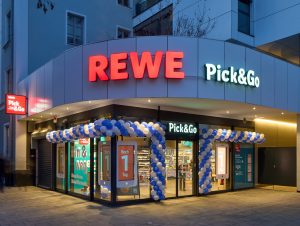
[244,16]
[124,3]
[75,29]
[7,28]
[123,33]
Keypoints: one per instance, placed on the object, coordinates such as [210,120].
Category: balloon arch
[156,132]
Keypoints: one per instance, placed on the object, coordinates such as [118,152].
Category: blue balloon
[155,169]
[153,183]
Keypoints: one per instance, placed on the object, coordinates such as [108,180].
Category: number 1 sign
[127,164]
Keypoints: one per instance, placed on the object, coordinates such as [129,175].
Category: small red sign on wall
[15,104]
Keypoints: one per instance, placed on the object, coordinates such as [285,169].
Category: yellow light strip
[275,122]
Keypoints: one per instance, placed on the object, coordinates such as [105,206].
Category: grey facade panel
[234,56]
[58,81]
[70,74]
[210,51]
[293,87]
[267,80]
[93,90]
[281,84]
[189,48]
[73,75]
[253,62]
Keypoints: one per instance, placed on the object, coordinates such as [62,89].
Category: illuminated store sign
[15,105]
[182,128]
[240,76]
[115,68]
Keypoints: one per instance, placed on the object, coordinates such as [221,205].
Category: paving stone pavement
[35,206]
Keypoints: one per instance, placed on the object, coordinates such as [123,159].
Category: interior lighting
[275,122]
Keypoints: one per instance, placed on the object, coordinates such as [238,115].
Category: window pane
[60,166]
[79,167]
[244,23]
[133,168]
[75,29]
[103,169]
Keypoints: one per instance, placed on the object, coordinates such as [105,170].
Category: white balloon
[159,183]
[156,197]
[153,174]
[201,190]
[155,178]
[159,165]
[153,193]
[109,133]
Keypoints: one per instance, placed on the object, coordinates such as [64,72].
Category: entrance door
[277,166]
[185,168]
[180,168]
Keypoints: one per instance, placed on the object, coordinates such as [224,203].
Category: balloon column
[207,137]
[105,127]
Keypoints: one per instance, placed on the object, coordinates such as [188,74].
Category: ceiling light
[255,116]
[90,102]
[282,113]
[254,108]
[227,112]
[275,122]
[68,108]
[51,113]
[149,100]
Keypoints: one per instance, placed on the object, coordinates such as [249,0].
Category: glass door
[185,168]
[171,162]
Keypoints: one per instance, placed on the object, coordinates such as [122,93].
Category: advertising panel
[15,105]
[243,167]
[127,170]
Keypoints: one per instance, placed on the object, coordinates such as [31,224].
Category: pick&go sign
[115,68]
[15,104]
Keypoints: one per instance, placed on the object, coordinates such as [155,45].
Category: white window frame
[84,26]
[124,28]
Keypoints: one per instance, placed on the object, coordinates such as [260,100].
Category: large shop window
[102,177]
[79,167]
[220,162]
[133,168]
[243,166]
[60,167]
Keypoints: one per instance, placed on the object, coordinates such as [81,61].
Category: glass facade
[133,168]
[60,166]
[79,167]
[120,168]
[102,177]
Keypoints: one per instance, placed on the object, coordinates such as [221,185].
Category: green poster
[81,165]
[243,166]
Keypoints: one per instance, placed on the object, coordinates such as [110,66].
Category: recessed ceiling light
[282,113]
[68,108]
[254,108]
[149,100]
[227,112]
[41,116]
[255,116]
[90,102]
[51,113]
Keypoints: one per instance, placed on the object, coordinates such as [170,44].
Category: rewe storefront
[139,119]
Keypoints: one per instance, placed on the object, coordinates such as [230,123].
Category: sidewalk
[36,206]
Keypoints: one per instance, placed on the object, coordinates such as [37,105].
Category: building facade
[76,65]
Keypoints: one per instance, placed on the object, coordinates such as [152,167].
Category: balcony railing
[143,5]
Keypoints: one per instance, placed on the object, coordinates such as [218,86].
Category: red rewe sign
[99,65]
[15,104]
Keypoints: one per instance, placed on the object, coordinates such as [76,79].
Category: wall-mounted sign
[230,75]
[15,104]
[100,67]
[183,128]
